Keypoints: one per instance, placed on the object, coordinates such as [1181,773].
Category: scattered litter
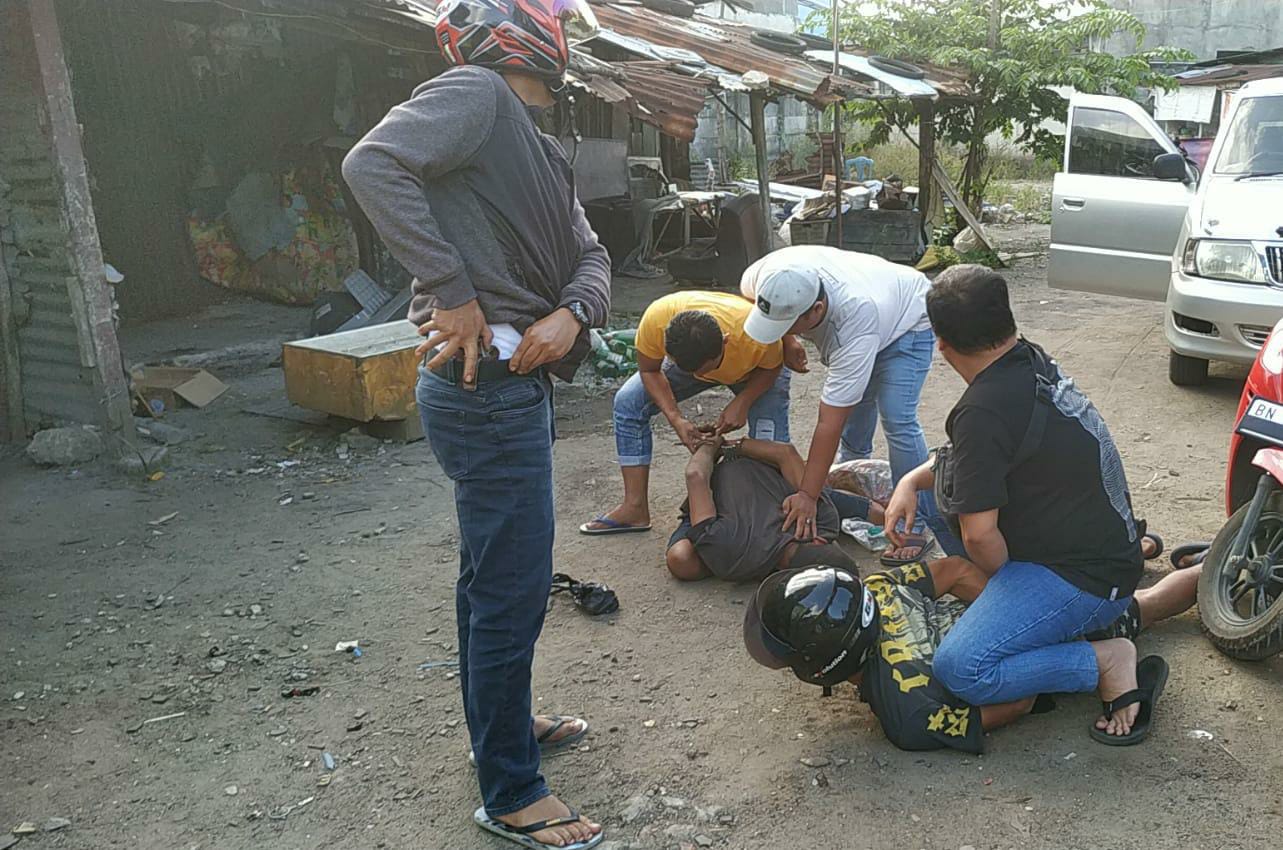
[817,761]
[324,780]
[1071,756]
[216,665]
[355,726]
[277,732]
[352,646]
[988,780]
[19,695]
[255,610]
[327,760]
[309,691]
[870,536]
[649,724]
[285,500]
[24,828]
[231,790]
[434,665]
[150,720]
[162,520]
[360,713]
[1201,735]
[55,824]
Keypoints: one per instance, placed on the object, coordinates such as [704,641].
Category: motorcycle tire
[894,66]
[815,42]
[780,42]
[678,8]
[1246,638]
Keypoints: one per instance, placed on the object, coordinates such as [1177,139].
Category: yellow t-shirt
[741,355]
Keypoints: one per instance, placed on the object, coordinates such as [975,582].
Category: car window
[1254,139]
[1110,143]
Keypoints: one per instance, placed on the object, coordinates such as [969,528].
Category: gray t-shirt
[746,538]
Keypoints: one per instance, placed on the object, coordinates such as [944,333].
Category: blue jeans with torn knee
[768,418]
[893,393]
[1020,638]
[495,444]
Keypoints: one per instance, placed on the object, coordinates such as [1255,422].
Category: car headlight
[1237,261]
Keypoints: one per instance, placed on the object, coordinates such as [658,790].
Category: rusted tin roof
[1229,76]
[653,92]
[729,45]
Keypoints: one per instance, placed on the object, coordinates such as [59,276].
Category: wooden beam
[926,155]
[951,192]
[14,425]
[89,292]
[757,114]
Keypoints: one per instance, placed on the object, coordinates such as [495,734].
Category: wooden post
[839,150]
[89,292]
[757,115]
[14,426]
[926,156]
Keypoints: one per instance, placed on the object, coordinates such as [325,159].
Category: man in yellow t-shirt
[689,342]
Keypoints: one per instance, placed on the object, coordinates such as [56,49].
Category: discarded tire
[815,42]
[894,66]
[780,42]
[679,8]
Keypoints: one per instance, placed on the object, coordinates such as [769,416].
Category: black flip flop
[1151,678]
[1158,541]
[1182,552]
[521,834]
[923,544]
[547,747]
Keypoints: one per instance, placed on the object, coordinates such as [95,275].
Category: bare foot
[628,515]
[1149,548]
[550,808]
[1116,659]
[904,552]
[572,726]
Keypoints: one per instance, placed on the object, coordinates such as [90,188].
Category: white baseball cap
[782,295]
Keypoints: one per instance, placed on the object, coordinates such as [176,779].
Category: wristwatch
[580,313]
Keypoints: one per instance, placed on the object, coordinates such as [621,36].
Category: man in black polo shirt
[1035,484]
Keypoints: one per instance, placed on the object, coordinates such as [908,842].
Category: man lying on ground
[730,524]
[689,342]
[882,635]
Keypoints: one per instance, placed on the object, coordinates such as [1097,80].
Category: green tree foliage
[1040,44]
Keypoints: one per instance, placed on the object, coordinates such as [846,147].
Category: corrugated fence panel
[33,240]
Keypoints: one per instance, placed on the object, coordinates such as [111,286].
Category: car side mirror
[1171,166]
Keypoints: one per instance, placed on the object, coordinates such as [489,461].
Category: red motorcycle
[1242,583]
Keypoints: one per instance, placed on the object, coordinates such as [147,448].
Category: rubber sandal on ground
[612,526]
[521,834]
[1180,553]
[1151,678]
[1158,543]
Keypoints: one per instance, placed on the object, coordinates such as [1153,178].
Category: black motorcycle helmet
[820,621]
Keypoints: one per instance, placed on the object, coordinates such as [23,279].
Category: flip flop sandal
[613,526]
[546,746]
[1151,678]
[1158,542]
[923,545]
[1180,553]
[521,834]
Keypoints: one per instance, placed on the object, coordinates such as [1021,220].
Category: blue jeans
[1020,638]
[894,389]
[495,444]
[768,418]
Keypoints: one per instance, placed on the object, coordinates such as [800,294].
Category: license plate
[1264,420]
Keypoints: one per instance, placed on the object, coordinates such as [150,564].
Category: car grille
[1274,258]
[1255,334]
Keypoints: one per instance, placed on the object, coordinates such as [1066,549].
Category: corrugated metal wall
[33,240]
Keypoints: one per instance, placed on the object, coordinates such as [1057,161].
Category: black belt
[487,371]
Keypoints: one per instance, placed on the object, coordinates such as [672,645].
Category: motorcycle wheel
[1242,610]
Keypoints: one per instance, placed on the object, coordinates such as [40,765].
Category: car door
[1114,226]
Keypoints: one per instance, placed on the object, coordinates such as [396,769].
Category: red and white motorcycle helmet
[534,36]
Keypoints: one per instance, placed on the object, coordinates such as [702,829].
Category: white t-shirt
[506,339]
[872,303]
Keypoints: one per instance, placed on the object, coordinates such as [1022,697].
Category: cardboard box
[163,388]
[364,375]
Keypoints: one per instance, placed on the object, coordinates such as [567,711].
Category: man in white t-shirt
[868,318]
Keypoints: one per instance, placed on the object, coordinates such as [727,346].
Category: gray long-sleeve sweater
[476,202]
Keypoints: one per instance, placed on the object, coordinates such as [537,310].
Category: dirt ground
[284,544]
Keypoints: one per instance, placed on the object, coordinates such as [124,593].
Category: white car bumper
[1218,320]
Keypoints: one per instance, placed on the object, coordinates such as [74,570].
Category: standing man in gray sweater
[480,207]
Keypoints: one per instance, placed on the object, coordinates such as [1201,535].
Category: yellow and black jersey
[915,710]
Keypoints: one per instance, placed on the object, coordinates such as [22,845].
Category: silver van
[1130,216]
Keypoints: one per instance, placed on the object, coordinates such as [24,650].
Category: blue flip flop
[613,526]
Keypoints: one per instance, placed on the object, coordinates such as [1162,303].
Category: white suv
[1131,217]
